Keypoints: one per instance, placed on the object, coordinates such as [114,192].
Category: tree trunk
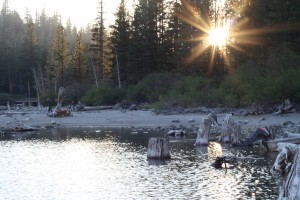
[158,148]
[287,166]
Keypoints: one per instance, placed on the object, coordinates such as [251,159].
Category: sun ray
[220,36]
[196,52]
[212,58]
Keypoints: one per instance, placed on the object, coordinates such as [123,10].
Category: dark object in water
[218,164]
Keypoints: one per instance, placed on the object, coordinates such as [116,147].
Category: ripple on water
[115,167]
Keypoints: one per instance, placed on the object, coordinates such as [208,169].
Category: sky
[81,12]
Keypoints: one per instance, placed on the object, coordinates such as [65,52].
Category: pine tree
[97,43]
[120,38]
[144,43]
[58,58]
[29,52]
[11,33]
[79,61]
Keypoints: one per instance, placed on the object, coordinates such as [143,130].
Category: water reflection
[112,164]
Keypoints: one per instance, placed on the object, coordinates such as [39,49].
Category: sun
[218,36]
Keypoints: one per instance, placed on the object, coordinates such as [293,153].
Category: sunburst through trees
[225,28]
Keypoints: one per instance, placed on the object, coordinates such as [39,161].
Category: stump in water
[231,132]
[203,132]
[158,148]
[287,166]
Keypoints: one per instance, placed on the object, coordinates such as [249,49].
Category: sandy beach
[145,119]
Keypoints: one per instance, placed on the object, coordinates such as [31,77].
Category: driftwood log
[285,107]
[158,148]
[287,167]
[58,111]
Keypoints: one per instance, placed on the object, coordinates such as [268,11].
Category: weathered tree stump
[231,132]
[158,148]
[203,132]
[60,99]
[287,166]
[285,107]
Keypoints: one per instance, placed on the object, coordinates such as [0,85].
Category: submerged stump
[231,132]
[203,132]
[158,148]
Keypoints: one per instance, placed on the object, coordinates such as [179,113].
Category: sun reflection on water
[114,167]
[214,150]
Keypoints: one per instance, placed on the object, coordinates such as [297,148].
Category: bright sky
[81,12]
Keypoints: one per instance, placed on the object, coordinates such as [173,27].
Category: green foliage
[103,96]
[75,91]
[253,82]
[152,87]
[272,88]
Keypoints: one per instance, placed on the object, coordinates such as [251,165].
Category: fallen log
[287,168]
[94,108]
[158,148]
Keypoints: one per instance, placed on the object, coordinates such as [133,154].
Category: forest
[158,53]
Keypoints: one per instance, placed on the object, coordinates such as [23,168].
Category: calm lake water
[112,164]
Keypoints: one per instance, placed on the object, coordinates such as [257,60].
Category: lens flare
[218,36]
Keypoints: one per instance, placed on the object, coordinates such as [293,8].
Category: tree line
[38,55]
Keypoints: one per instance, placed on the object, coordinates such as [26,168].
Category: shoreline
[112,118]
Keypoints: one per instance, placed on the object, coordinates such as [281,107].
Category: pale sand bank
[147,119]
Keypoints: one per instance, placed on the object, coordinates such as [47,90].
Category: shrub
[75,92]
[103,96]
[152,87]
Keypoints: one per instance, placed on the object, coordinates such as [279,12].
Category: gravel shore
[146,119]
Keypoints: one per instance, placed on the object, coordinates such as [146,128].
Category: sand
[145,119]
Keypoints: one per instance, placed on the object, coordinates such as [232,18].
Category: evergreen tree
[79,61]
[97,43]
[144,43]
[58,59]
[29,53]
[11,33]
[120,38]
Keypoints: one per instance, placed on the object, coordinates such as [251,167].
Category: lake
[112,164]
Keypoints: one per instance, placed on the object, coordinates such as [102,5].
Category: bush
[103,96]
[75,92]
[152,87]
